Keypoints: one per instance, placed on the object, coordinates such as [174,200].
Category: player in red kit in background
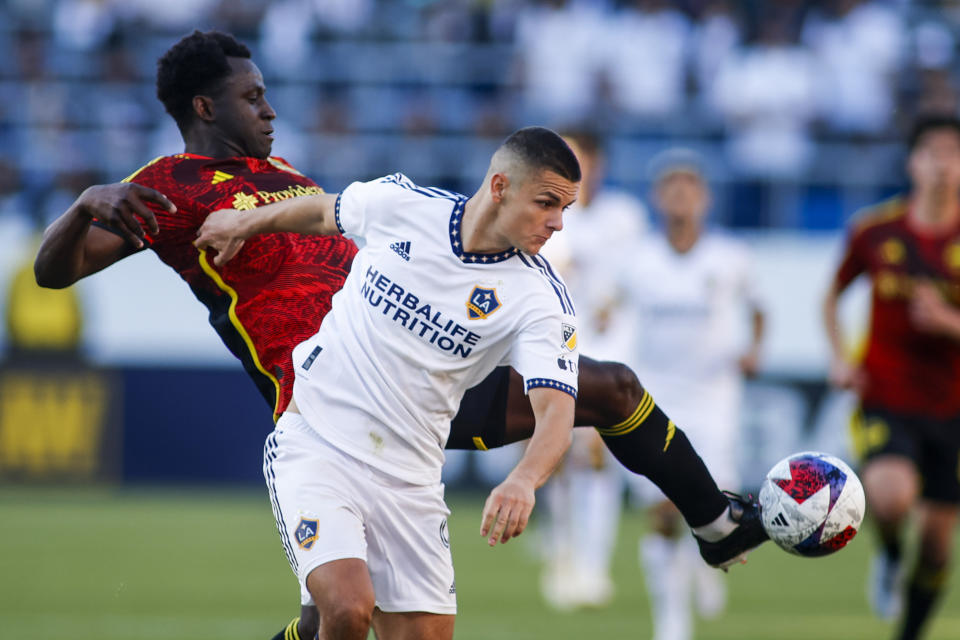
[277,290]
[908,426]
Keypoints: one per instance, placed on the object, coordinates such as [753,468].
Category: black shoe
[747,536]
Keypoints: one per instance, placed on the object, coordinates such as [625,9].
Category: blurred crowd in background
[798,106]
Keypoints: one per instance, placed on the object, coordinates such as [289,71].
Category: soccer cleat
[748,535]
[884,586]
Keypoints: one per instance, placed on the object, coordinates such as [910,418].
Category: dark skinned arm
[73,248]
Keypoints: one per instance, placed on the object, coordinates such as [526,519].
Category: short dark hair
[927,123]
[197,64]
[541,148]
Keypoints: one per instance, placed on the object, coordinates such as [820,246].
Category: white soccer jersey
[419,321]
[593,242]
[692,326]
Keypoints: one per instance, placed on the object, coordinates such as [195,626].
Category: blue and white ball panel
[812,504]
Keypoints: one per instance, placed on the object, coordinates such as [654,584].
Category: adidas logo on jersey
[220,176]
[402,249]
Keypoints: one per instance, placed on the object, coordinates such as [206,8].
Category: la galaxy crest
[306,533]
[482,302]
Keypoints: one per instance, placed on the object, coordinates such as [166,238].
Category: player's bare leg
[413,625]
[645,441]
[892,486]
[608,393]
[343,593]
[925,585]
[612,399]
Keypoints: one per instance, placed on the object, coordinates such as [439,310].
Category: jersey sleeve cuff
[533,383]
[336,214]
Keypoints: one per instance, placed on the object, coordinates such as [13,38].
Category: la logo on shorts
[306,533]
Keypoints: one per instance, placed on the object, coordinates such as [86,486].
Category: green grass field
[106,564]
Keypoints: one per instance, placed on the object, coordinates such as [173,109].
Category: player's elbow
[48,277]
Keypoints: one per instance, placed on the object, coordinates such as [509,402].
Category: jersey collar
[456,241]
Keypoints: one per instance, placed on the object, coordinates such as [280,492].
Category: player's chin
[534,246]
[263,148]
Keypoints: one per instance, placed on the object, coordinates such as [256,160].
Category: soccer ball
[811,504]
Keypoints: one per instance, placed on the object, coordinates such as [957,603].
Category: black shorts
[482,419]
[932,444]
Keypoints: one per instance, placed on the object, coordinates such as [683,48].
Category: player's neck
[935,209]
[477,230]
[682,240]
[212,147]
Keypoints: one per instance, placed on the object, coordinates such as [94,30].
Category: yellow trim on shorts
[479,444]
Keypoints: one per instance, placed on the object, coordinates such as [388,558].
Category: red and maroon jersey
[277,290]
[908,370]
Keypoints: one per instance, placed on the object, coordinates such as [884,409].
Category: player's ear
[499,182]
[203,107]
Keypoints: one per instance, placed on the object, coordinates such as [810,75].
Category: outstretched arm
[227,229]
[72,248]
[843,373]
[750,361]
[508,508]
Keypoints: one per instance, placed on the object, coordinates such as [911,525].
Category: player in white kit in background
[699,330]
[584,497]
[444,290]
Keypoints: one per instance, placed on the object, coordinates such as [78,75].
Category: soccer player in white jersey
[584,498]
[699,330]
[445,289]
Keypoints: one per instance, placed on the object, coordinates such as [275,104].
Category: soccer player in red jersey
[908,427]
[276,291]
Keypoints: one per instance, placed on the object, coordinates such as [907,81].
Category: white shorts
[330,506]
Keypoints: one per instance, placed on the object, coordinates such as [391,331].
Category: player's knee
[665,520]
[626,391]
[891,486]
[347,618]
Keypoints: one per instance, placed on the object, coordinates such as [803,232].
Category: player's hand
[749,363]
[844,375]
[507,510]
[122,206]
[221,232]
[928,310]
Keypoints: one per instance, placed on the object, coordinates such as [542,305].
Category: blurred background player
[908,427]
[584,497]
[692,297]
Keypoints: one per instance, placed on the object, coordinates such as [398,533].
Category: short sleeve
[178,227]
[853,262]
[364,204]
[545,353]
